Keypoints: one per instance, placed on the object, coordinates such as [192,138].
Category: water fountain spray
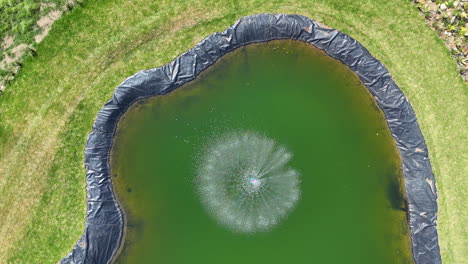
[245,183]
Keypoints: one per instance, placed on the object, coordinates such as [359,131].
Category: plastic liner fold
[104,224]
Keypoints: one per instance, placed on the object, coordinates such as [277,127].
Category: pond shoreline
[105,220]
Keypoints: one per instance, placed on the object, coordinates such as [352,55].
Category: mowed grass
[47,112]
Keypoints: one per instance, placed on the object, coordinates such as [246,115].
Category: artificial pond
[348,204]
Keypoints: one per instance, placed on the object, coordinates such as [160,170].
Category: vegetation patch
[450,20]
[23,24]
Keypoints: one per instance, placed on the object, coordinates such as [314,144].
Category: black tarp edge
[104,223]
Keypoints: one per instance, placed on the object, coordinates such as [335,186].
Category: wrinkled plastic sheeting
[104,221]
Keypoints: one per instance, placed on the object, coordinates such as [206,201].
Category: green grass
[21,21]
[19,18]
[47,111]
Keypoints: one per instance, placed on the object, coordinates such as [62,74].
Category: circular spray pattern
[245,183]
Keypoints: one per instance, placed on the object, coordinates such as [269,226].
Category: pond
[344,196]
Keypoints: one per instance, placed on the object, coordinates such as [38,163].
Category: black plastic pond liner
[104,225]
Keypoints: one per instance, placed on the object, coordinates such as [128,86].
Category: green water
[351,208]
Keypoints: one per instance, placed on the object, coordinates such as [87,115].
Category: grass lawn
[47,111]
[24,23]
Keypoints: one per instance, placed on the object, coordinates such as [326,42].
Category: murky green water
[351,208]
